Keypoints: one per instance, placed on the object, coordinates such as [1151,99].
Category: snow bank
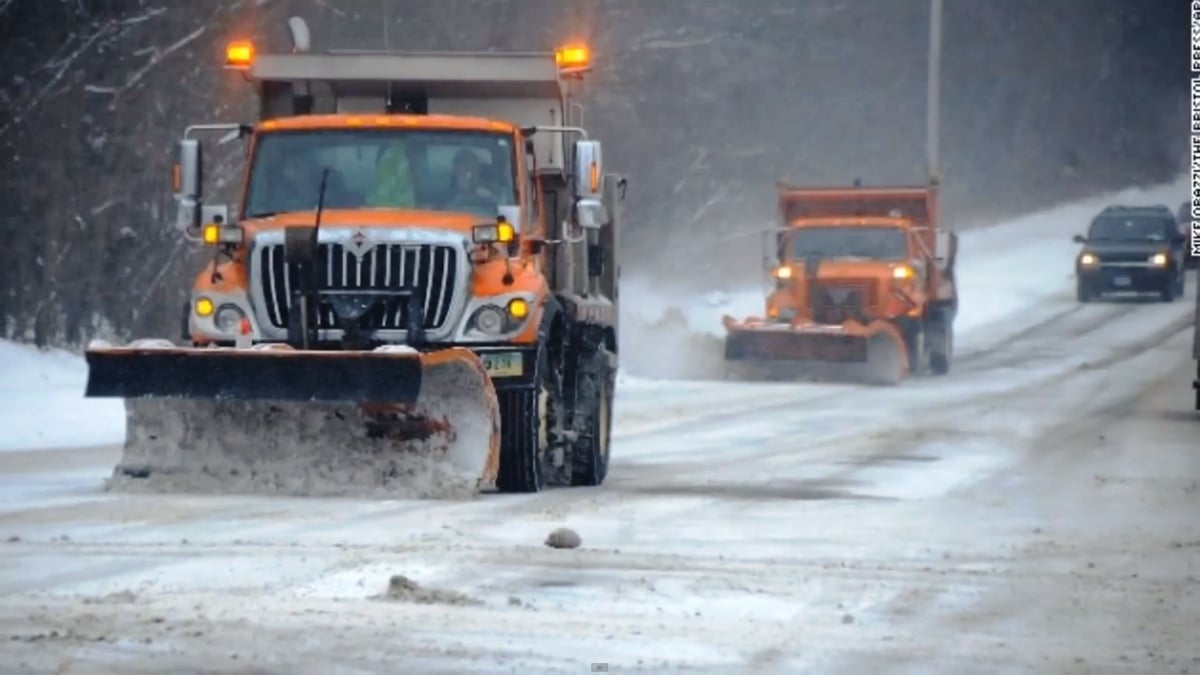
[1011,274]
[42,403]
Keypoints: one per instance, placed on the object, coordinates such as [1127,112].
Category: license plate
[503,364]
[1120,281]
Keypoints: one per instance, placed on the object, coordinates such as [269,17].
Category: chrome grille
[425,269]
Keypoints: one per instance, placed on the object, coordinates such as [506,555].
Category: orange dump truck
[418,281]
[863,281]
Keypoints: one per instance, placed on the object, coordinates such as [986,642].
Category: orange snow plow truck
[415,293]
[863,288]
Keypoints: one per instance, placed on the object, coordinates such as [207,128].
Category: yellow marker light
[505,232]
[1159,260]
[772,312]
[575,57]
[177,178]
[211,234]
[595,178]
[518,308]
[1087,259]
[239,54]
[902,272]
[204,307]
[783,272]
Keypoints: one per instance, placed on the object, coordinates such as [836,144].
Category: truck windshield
[849,241]
[444,170]
[1126,228]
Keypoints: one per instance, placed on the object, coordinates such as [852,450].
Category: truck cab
[431,202]
[872,266]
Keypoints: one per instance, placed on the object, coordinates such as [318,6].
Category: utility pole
[934,94]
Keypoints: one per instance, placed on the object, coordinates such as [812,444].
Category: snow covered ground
[42,403]
[1033,511]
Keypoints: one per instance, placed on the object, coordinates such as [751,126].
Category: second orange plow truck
[863,288]
[415,294]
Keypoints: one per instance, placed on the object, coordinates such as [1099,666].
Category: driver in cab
[467,189]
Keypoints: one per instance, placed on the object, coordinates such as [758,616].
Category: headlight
[518,308]
[783,272]
[1159,260]
[490,320]
[1087,259]
[203,307]
[902,272]
[214,234]
[502,232]
[229,318]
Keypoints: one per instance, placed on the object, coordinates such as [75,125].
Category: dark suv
[1137,249]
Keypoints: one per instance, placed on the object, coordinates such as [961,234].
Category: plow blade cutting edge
[873,352]
[393,423]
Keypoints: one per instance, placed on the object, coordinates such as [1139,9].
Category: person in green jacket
[393,181]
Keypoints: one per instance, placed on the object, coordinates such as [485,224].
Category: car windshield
[1129,228]
[382,168]
[850,241]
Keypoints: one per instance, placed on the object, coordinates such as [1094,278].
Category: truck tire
[594,400]
[1083,293]
[524,429]
[942,351]
[1167,294]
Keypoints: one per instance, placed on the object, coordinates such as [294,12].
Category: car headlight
[490,320]
[229,318]
[1087,259]
[1159,260]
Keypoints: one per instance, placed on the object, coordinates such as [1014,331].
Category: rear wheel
[594,400]
[943,349]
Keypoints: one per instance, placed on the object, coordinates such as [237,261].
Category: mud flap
[392,422]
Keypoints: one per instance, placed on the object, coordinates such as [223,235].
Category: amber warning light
[239,55]
[573,58]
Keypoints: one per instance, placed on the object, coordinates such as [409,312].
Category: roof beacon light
[573,58]
[239,55]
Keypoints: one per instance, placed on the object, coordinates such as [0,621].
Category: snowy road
[1035,510]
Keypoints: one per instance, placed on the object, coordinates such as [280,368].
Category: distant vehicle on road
[1131,249]
[1183,218]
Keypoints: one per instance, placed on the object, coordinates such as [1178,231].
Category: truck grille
[867,290]
[1123,257]
[429,270]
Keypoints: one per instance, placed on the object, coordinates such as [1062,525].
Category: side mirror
[1078,239]
[188,181]
[591,214]
[589,170]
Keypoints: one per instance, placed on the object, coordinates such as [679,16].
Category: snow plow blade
[391,422]
[874,353]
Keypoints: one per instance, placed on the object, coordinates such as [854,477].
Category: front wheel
[1168,293]
[1082,292]
[525,421]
